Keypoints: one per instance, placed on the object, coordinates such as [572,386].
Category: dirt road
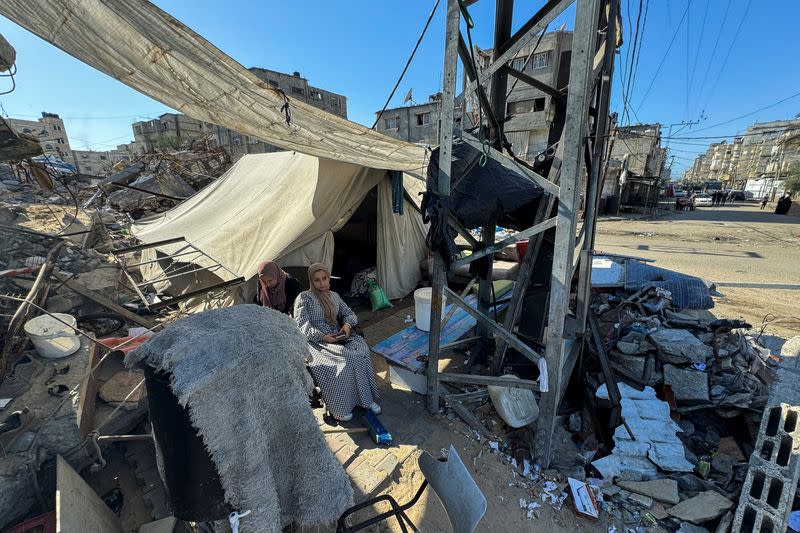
[736,243]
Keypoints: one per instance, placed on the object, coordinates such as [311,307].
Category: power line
[699,45]
[728,55]
[714,50]
[629,87]
[641,44]
[661,63]
[405,68]
[795,95]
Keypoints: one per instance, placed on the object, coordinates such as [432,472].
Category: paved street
[735,243]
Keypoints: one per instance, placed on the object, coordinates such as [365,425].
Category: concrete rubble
[705,506]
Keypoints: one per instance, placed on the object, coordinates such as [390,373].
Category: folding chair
[463,501]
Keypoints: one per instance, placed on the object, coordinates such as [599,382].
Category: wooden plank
[78,508]
[88,394]
[463,412]
[102,300]
[474,379]
[524,234]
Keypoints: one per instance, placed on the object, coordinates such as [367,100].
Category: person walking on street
[764,201]
[722,196]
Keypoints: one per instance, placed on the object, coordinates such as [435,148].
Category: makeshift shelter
[295,209]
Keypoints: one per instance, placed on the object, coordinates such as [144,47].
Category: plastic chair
[463,501]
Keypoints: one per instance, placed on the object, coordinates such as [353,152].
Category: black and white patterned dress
[343,370]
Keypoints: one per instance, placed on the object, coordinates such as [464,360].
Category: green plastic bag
[377,297]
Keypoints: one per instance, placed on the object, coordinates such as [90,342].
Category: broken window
[60,141]
[518,63]
[298,90]
[423,119]
[541,60]
[48,146]
[392,123]
[237,141]
[274,83]
[526,106]
[335,101]
[56,127]
[103,157]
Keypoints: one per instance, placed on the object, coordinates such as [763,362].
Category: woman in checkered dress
[340,359]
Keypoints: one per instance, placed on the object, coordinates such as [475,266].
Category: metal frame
[572,185]
[174,270]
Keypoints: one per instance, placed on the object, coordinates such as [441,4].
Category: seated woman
[340,359]
[276,289]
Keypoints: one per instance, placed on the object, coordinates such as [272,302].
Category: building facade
[766,150]
[636,152]
[529,110]
[50,131]
[172,130]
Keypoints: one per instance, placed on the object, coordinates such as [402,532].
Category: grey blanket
[241,372]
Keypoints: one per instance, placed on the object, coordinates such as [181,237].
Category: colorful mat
[406,345]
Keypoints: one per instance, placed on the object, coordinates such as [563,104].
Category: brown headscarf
[274,297]
[323,297]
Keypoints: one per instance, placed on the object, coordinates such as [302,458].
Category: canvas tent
[289,207]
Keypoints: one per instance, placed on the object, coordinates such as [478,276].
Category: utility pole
[681,123]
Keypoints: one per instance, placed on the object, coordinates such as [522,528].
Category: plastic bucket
[51,337]
[422,307]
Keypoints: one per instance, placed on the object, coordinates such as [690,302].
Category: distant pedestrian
[722,196]
[731,196]
[764,201]
[715,198]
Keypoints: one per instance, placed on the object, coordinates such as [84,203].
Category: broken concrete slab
[641,499]
[723,464]
[628,348]
[705,506]
[663,490]
[659,511]
[686,527]
[680,346]
[647,439]
[688,385]
[125,386]
[727,445]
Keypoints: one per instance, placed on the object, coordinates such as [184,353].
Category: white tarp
[285,206]
[147,49]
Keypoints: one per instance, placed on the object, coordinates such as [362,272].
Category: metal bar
[524,234]
[608,254]
[608,374]
[198,292]
[102,300]
[173,256]
[132,281]
[469,396]
[589,227]
[139,189]
[443,186]
[464,232]
[521,38]
[451,345]
[146,246]
[498,330]
[466,60]
[530,80]
[123,438]
[474,379]
[512,165]
[465,414]
[584,44]
[187,273]
[514,310]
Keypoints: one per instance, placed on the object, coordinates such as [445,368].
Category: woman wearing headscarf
[340,359]
[276,289]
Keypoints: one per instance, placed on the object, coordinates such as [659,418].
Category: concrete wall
[416,124]
[298,87]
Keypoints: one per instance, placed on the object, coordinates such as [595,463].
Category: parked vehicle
[703,200]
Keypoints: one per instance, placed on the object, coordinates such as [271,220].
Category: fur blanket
[241,372]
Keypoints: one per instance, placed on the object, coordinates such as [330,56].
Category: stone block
[688,385]
[705,506]
[663,490]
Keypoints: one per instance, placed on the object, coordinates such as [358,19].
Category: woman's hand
[330,339]
[346,329]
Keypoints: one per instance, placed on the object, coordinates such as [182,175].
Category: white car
[703,200]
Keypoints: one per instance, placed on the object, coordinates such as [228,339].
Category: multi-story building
[766,150]
[51,133]
[529,110]
[636,152]
[171,130]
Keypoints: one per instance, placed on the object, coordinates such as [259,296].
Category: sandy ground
[735,243]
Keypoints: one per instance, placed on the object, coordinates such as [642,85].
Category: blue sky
[358,48]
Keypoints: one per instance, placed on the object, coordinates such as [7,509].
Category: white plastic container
[516,406]
[51,338]
[422,307]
